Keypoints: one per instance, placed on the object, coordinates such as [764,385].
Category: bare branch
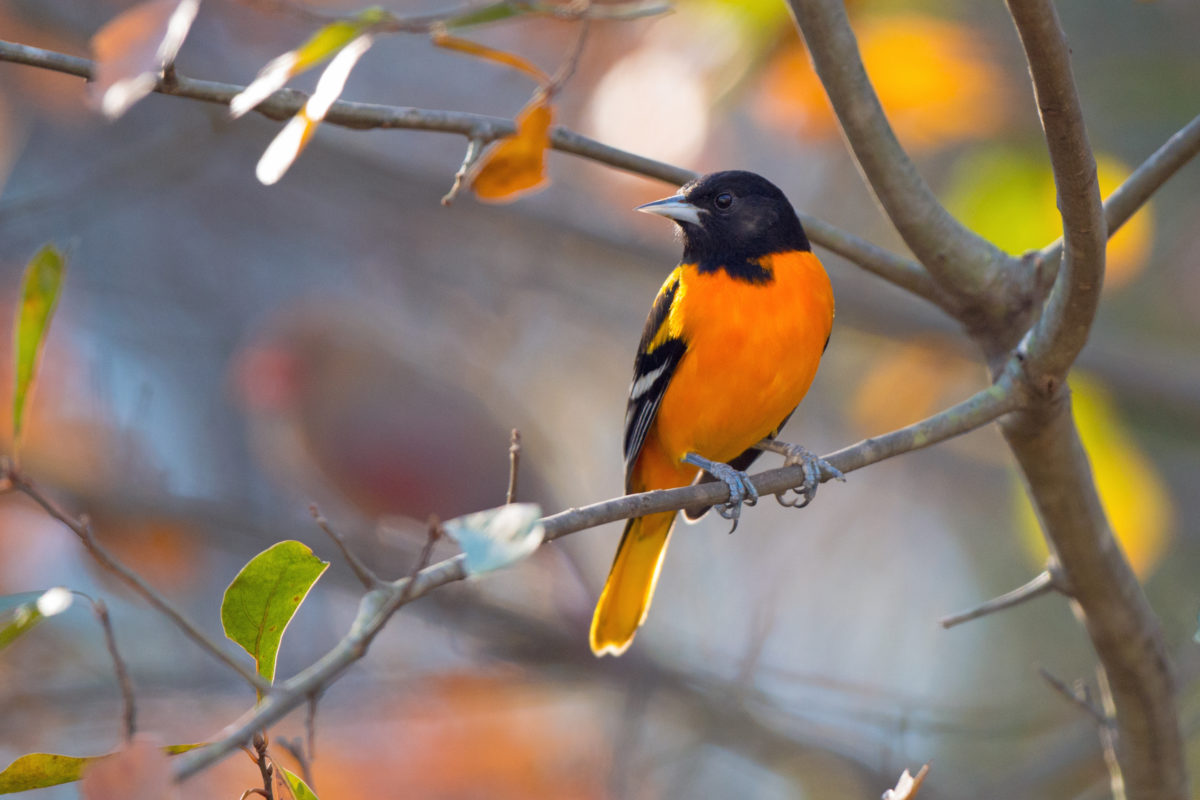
[963,263]
[128,704]
[380,604]
[514,463]
[1066,320]
[1078,699]
[82,528]
[284,104]
[474,147]
[366,577]
[1131,195]
[1043,583]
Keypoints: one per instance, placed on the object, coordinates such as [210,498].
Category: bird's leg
[741,490]
[815,469]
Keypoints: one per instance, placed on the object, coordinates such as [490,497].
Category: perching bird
[729,350]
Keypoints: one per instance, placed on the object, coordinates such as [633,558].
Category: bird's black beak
[675,207]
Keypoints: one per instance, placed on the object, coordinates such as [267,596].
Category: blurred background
[226,354]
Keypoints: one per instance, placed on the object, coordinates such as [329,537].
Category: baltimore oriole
[729,350]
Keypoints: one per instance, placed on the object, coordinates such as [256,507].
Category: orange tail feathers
[630,586]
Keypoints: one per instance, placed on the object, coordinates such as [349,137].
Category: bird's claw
[815,468]
[741,490]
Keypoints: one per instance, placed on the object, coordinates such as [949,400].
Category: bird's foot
[741,490]
[816,469]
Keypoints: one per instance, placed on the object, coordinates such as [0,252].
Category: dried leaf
[40,288]
[132,50]
[497,537]
[492,54]
[290,142]
[907,786]
[263,598]
[516,165]
[324,44]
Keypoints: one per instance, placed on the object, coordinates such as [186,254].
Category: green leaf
[298,786]
[485,15]
[39,295]
[323,44]
[263,598]
[19,613]
[497,537]
[39,770]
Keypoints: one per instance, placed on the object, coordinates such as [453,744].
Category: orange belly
[753,350]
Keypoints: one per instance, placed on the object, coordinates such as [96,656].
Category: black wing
[652,370]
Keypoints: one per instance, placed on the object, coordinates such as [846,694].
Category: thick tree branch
[284,104]
[1119,621]
[963,263]
[1066,320]
[1131,195]
[378,606]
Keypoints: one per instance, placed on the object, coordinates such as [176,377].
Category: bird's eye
[723,201]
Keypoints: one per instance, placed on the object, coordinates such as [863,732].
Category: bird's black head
[730,220]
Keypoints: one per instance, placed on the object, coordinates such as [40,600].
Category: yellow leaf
[516,165]
[1132,491]
[40,288]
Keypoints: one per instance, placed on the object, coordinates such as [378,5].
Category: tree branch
[1043,583]
[1062,330]
[962,263]
[284,104]
[1137,189]
[378,606]
[1116,615]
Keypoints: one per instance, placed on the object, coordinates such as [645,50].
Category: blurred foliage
[40,288]
[936,79]
[1007,195]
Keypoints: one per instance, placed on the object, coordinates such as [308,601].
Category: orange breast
[752,353]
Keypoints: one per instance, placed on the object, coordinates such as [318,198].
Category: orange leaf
[517,164]
[492,54]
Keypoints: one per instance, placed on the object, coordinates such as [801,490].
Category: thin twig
[409,584]
[284,104]
[1081,701]
[364,574]
[295,747]
[123,680]
[474,146]
[310,728]
[514,463]
[379,605]
[1043,583]
[571,63]
[265,767]
[82,528]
